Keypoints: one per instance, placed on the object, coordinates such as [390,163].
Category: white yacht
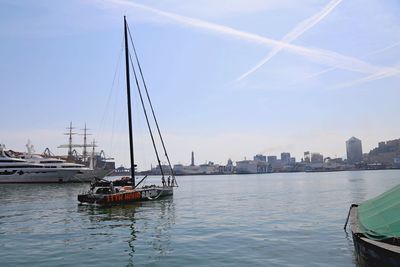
[13,170]
[82,173]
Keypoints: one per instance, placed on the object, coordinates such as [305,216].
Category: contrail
[380,75]
[301,28]
[321,56]
[377,76]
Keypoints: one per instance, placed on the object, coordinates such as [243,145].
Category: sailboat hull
[137,195]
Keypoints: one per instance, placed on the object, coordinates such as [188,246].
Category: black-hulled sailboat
[125,190]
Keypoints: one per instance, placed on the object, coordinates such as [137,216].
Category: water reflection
[357,186]
[131,244]
[148,223]
[349,241]
[110,213]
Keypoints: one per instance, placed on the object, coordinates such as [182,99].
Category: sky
[227,78]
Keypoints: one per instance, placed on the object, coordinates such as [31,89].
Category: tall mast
[70,140]
[128,91]
[85,144]
[70,133]
[70,145]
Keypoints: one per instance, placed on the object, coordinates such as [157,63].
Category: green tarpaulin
[379,218]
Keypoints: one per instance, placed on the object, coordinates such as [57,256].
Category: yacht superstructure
[36,170]
[83,173]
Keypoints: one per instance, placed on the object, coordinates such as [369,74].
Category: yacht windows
[19,166]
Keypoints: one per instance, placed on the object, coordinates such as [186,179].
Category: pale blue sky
[58,60]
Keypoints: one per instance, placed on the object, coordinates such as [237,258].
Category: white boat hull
[40,175]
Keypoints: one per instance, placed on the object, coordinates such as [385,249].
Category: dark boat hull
[142,194]
[372,253]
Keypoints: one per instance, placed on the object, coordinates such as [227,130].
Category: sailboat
[125,190]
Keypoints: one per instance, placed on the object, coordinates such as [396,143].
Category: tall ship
[85,154]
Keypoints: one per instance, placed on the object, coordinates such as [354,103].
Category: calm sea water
[290,219]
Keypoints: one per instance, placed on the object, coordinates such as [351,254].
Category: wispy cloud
[320,56]
[301,28]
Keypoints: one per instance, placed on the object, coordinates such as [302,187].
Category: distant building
[274,164]
[307,157]
[354,150]
[180,169]
[396,162]
[385,153]
[387,147]
[335,164]
[260,157]
[285,158]
[209,168]
[272,159]
[335,160]
[251,166]
[166,170]
[229,168]
[317,158]
[192,162]
[246,166]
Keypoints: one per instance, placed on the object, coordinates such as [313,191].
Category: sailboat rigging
[125,190]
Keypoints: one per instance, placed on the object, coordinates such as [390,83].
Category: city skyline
[217,73]
[284,157]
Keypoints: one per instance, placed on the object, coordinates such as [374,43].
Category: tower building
[192,162]
[285,158]
[354,150]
